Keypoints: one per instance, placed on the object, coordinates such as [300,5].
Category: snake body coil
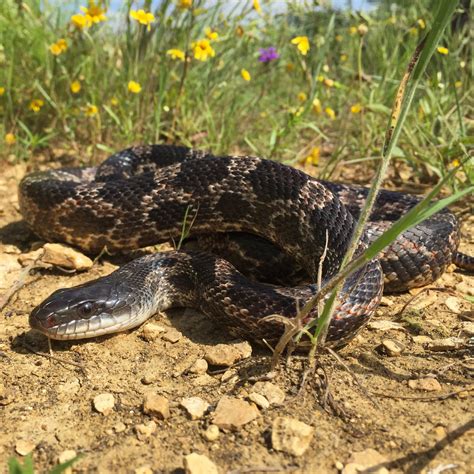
[140,197]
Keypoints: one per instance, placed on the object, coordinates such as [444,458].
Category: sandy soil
[49,403]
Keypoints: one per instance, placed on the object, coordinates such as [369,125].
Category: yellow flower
[328,82]
[326,68]
[302,43]
[302,97]
[413,31]
[2,91]
[35,105]
[442,50]
[458,84]
[455,163]
[176,54]
[94,13]
[245,75]
[352,30]
[203,50]
[392,20]
[81,21]
[91,110]
[421,23]
[10,139]
[134,87]
[330,113]
[211,35]
[356,108]
[114,101]
[313,158]
[317,108]
[320,78]
[362,29]
[462,64]
[59,47]
[143,17]
[343,57]
[185,4]
[338,38]
[75,87]
[256,6]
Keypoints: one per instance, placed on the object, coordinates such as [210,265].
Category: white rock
[152,331]
[195,406]
[454,304]
[145,430]
[104,403]
[368,460]
[65,257]
[385,325]
[291,436]
[212,433]
[24,446]
[446,344]
[467,327]
[200,366]
[259,400]
[199,464]
[429,384]
[172,335]
[274,394]
[392,347]
[66,456]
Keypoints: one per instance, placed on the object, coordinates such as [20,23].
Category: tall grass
[351,70]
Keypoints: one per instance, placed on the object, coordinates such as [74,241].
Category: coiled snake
[140,197]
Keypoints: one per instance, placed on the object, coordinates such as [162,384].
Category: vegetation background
[309,83]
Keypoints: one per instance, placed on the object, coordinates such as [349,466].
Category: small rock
[104,403]
[338,465]
[24,446]
[232,413]
[149,378]
[199,464]
[428,384]
[120,427]
[384,325]
[227,354]
[211,433]
[291,436]
[143,470]
[385,301]
[453,304]
[195,406]
[446,344]
[467,327]
[368,460]
[152,331]
[259,400]
[66,456]
[392,348]
[156,405]
[172,335]
[200,366]
[145,430]
[230,376]
[440,432]
[274,394]
[422,339]
[65,257]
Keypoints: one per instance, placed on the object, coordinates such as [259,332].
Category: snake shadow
[17,233]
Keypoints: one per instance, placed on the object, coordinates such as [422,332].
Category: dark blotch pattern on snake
[140,197]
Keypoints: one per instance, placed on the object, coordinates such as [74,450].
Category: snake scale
[272,221]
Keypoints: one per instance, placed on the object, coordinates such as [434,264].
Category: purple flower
[268,54]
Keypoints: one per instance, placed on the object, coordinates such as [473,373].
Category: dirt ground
[47,404]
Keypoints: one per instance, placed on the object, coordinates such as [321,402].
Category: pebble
[195,406]
[120,427]
[200,366]
[429,384]
[227,354]
[291,436]
[446,344]
[467,327]
[453,304]
[422,339]
[66,456]
[156,405]
[392,347]
[385,301]
[368,460]
[24,446]
[152,331]
[230,376]
[274,394]
[104,403]
[385,325]
[212,433]
[232,413]
[259,400]
[440,432]
[199,464]
[65,257]
[143,470]
[172,335]
[145,430]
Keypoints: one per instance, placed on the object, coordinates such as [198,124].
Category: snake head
[88,310]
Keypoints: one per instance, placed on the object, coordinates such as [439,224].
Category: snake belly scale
[140,196]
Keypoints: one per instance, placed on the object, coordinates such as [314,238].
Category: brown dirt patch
[50,403]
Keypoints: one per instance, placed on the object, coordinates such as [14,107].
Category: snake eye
[85,309]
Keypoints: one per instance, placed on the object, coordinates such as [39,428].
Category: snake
[263,238]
